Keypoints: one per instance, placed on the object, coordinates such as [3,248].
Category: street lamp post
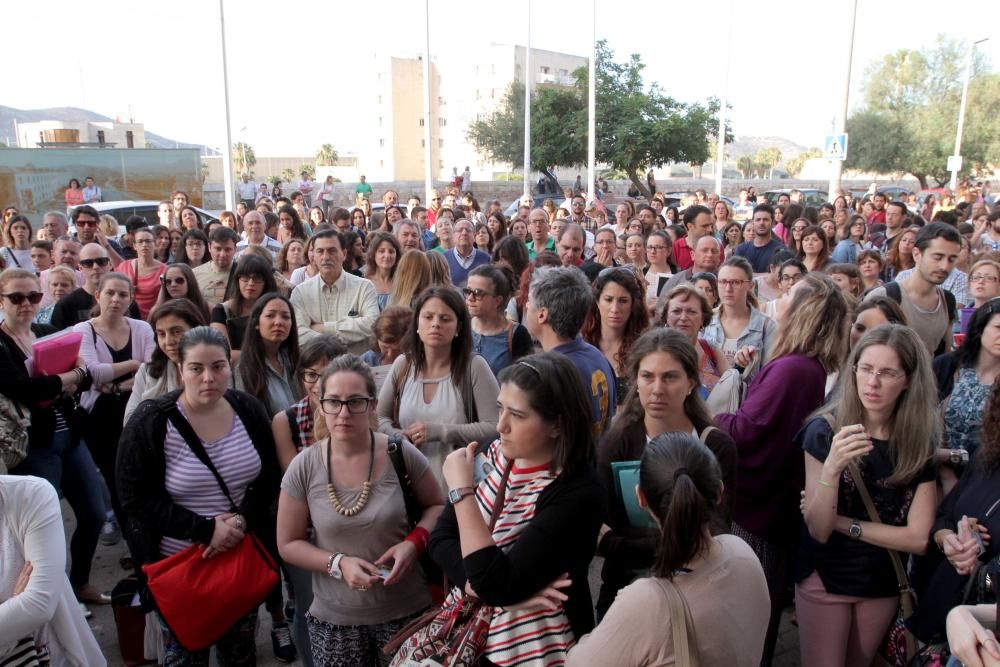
[840,122]
[227,155]
[956,166]
[527,110]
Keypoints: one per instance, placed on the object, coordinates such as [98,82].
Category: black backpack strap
[293,427]
[413,509]
[894,291]
[949,301]
[194,442]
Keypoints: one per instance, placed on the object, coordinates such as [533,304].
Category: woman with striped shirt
[532,567]
[171,500]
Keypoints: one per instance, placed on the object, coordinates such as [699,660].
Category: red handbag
[201,599]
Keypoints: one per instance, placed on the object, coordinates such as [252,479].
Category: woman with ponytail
[718,579]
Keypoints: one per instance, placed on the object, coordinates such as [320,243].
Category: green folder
[626,476]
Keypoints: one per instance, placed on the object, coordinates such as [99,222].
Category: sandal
[91,595]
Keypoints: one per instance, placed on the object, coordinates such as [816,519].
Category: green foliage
[288,175]
[637,127]
[308,169]
[326,156]
[241,150]
[910,114]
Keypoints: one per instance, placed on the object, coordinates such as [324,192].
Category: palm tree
[288,175]
[243,158]
[326,155]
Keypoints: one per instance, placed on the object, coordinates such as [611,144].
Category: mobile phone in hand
[481,469]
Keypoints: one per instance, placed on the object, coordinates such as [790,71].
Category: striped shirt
[529,636]
[193,486]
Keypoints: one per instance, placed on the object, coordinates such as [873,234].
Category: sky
[296,69]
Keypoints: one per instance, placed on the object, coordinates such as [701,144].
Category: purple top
[771,470]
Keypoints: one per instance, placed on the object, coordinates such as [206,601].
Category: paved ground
[107,572]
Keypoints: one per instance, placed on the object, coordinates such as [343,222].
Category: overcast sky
[295,68]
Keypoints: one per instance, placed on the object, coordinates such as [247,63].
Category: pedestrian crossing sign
[835,147]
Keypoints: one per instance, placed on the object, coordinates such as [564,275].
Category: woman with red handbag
[366,583]
[185,461]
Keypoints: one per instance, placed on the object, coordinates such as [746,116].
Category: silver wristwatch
[333,566]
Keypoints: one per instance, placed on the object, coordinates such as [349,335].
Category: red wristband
[419,537]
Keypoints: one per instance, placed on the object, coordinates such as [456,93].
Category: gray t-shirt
[381,524]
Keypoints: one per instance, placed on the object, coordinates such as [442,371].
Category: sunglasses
[17,298]
[99,261]
[170,282]
[475,294]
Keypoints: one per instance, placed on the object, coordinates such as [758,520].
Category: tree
[768,158]
[638,128]
[307,168]
[326,156]
[243,158]
[745,165]
[910,113]
[794,166]
[287,174]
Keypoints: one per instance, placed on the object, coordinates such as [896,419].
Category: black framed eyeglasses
[99,261]
[311,377]
[355,406]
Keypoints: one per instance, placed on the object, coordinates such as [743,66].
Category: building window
[440,143]
[421,122]
[380,99]
[423,144]
[381,143]
[381,163]
[563,72]
[380,121]
[493,93]
[544,69]
[440,164]
[100,137]
[442,122]
[129,139]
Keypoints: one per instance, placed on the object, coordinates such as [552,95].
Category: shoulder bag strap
[703,436]
[510,341]
[469,397]
[897,562]
[397,382]
[681,625]
[501,496]
[413,509]
[194,442]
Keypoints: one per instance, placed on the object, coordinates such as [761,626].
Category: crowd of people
[433,419]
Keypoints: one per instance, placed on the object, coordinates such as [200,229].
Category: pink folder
[56,353]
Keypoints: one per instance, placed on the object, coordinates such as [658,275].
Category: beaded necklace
[365,487]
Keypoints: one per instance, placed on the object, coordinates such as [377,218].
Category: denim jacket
[760,333]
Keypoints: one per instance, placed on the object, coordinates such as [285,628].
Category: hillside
[8,116]
[751,145]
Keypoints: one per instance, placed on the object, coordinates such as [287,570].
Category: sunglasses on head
[17,298]
[99,261]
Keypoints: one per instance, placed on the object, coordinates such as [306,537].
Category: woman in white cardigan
[37,605]
[113,348]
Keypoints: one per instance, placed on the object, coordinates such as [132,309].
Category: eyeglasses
[655,248]
[312,377]
[17,298]
[99,261]
[251,280]
[173,281]
[884,375]
[355,406]
[86,223]
[791,278]
[733,283]
[982,278]
[475,294]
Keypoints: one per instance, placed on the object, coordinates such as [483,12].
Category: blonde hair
[413,276]
[440,271]
[63,270]
[915,425]
[108,225]
[985,261]
[19,274]
[816,323]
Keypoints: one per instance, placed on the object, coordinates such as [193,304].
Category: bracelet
[825,483]
[329,565]
[419,537]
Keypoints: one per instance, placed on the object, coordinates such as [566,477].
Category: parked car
[537,201]
[893,192]
[123,210]
[810,196]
